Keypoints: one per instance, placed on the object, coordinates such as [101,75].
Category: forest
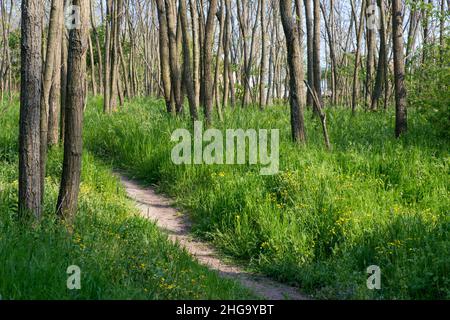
[224,150]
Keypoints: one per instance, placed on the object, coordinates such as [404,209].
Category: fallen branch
[322,115]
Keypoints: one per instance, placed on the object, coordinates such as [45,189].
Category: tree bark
[296,76]
[207,61]
[187,69]
[382,60]
[64,61]
[55,94]
[316,53]
[262,72]
[175,73]
[30,98]
[107,77]
[358,46]
[164,55]
[76,94]
[53,38]
[401,125]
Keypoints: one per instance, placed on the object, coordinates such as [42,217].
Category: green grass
[121,255]
[326,217]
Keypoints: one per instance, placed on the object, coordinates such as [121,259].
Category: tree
[401,125]
[164,55]
[382,60]
[53,41]
[175,73]
[296,76]
[187,69]
[30,98]
[310,47]
[107,77]
[262,75]
[207,61]
[316,53]
[358,48]
[76,93]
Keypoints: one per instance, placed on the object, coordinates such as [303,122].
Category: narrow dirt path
[160,210]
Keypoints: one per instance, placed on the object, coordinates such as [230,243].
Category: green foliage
[326,217]
[429,87]
[121,255]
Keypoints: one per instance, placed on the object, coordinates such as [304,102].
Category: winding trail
[160,210]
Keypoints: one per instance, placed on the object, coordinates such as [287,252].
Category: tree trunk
[76,93]
[164,55]
[171,16]
[226,54]
[370,61]
[187,70]
[296,76]
[91,57]
[195,52]
[216,95]
[207,61]
[64,61]
[99,51]
[115,59]
[401,126]
[358,46]
[55,93]
[30,98]
[107,77]
[316,53]
[52,42]
[262,72]
[382,60]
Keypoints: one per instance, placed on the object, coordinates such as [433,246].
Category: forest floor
[160,210]
[325,218]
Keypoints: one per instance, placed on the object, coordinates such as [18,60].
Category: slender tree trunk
[99,51]
[414,18]
[164,55]
[91,57]
[195,52]
[30,98]
[334,75]
[221,17]
[296,76]
[115,59]
[262,72]
[52,42]
[55,92]
[76,93]
[401,125]
[316,53]
[382,60]
[64,61]
[358,46]
[171,16]
[187,70]
[207,61]
[370,61]
[226,55]
[107,77]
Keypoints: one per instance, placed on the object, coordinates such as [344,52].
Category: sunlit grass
[326,217]
[121,256]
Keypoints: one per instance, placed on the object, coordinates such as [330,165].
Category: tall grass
[326,217]
[121,256]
